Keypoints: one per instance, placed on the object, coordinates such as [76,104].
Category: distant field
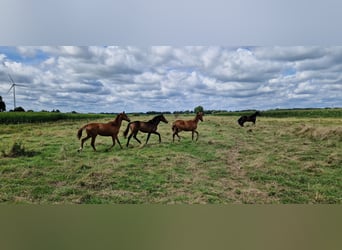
[283,113]
[296,159]
[36,117]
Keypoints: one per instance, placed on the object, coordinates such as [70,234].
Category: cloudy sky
[171,78]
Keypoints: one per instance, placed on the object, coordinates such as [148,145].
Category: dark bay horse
[251,118]
[190,125]
[149,127]
[105,129]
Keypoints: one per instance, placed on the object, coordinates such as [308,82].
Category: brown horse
[190,125]
[105,129]
[149,127]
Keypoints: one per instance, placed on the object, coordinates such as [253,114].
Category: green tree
[198,109]
[19,109]
[2,105]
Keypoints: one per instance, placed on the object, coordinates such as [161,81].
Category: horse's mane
[154,119]
[255,114]
[198,115]
[116,120]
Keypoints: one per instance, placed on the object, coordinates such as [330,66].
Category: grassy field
[280,160]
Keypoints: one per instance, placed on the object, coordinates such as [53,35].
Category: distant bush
[19,109]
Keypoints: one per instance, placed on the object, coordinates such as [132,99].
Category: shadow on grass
[18,150]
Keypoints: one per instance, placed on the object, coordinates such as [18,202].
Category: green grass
[280,160]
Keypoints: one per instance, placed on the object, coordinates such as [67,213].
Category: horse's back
[147,127]
[142,126]
[133,125]
[92,127]
[184,125]
[178,123]
[104,129]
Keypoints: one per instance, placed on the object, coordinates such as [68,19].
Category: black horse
[250,118]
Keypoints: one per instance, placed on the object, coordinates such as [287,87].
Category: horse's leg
[93,142]
[117,139]
[135,136]
[158,135]
[82,142]
[196,134]
[173,135]
[148,137]
[129,138]
[176,133]
[192,133]
[113,139]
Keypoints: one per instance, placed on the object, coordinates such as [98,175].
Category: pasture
[277,161]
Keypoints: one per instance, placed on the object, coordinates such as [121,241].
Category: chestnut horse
[190,125]
[149,127]
[105,129]
[251,118]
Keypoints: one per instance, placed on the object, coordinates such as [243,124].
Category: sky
[171,78]
[251,54]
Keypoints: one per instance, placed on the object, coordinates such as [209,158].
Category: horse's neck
[196,119]
[118,120]
[154,122]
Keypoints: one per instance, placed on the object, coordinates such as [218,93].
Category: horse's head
[124,116]
[163,119]
[200,116]
[257,113]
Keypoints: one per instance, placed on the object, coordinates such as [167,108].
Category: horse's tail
[79,132]
[125,133]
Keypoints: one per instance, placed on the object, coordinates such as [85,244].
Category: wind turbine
[13,87]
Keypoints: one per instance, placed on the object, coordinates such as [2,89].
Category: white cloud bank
[168,78]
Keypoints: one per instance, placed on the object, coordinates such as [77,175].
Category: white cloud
[173,78]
